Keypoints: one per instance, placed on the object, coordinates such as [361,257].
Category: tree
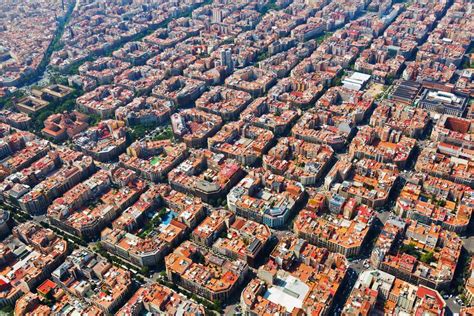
[66,106]
[162,212]
[262,56]
[94,119]
[410,249]
[271,5]
[427,257]
[217,305]
[145,270]
[6,310]
[138,132]
[43,116]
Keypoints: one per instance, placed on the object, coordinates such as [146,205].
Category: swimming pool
[168,217]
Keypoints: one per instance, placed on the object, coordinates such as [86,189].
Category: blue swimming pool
[168,217]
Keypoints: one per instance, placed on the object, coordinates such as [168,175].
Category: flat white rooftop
[289,294]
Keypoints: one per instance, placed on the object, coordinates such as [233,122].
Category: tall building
[226,59]
[216,15]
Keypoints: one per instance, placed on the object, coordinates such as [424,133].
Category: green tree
[145,270]
[427,257]
[410,249]
[43,116]
[217,305]
[6,310]
[94,119]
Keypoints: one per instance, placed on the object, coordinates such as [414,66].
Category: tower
[216,15]
[226,59]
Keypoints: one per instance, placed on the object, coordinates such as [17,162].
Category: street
[452,307]
[469,244]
